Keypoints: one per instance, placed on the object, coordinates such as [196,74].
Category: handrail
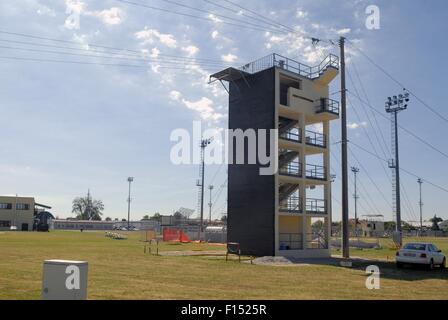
[318,206]
[291,204]
[291,169]
[314,171]
[328,105]
[276,60]
[292,136]
[316,240]
[294,241]
[315,139]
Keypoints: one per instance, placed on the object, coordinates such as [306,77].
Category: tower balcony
[315,139]
[292,136]
[328,106]
[292,169]
[316,172]
[291,205]
[316,206]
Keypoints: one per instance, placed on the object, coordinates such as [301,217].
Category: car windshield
[415,246]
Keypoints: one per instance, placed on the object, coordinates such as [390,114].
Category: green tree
[389,225]
[146,217]
[108,219]
[435,223]
[156,217]
[87,208]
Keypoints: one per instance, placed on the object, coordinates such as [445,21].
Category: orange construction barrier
[175,235]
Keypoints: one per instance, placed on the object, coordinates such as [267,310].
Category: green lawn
[118,269]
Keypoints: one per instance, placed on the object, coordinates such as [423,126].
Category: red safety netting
[175,235]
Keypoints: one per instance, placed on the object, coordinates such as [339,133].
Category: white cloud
[151,35]
[73,9]
[315,55]
[74,6]
[81,39]
[204,106]
[301,13]
[343,31]
[112,16]
[43,10]
[215,34]
[190,50]
[154,53]
[175,95]
[354,125]
[229,57]
[214,18]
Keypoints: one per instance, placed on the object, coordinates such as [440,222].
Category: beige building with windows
[16,213]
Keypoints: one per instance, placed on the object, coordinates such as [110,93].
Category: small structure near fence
[149,246]
[148,235]
[175,235]
[216,234]
[233,248]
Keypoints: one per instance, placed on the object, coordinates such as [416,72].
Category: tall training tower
[289,213]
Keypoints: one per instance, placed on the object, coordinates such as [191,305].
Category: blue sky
[70,127]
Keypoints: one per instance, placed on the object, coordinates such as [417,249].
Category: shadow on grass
[389,270]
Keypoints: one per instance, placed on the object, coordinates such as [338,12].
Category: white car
[422,254]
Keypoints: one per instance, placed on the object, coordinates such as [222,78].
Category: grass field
[118,269]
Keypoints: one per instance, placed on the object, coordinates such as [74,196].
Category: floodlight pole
[345,219]
[394,105]
[420,182]
[210,187]
[355,171]
[204,144]
[130,179]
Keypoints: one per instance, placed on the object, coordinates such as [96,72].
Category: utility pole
[394,105]
[130,179]
[89,207]
[355,171]
[420,182]
[210,187]
[200,183]
[345,220]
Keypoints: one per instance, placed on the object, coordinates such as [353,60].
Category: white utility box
[64,280]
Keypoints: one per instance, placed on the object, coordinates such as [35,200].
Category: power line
[401,127]
[165,60]
[369,139]
[368,100]
[368,176]
[433,110]
[375,131]
[212,13]
[91,63]
[243,14]
[217,171]
[259,15]
[133,52]
[197,17]
[406,198]
[371,204]
[402,169]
